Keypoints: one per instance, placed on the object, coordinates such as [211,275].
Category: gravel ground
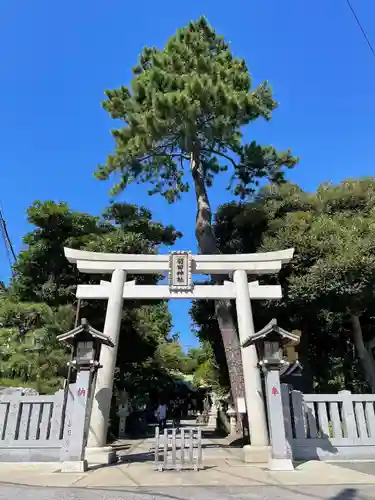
[196,493]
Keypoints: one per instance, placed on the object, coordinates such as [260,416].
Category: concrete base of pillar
[103,455]
[256,454]
[280,464]
[74,466]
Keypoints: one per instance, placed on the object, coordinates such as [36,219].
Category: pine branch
[223,155]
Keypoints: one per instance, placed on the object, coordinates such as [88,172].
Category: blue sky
[58,57]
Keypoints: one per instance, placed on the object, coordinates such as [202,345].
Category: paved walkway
[189,493]
[141,474]
[223,466]
[213,449]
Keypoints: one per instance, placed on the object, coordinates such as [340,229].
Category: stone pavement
[223,466]
[223,473]
[142,450]
[188,493]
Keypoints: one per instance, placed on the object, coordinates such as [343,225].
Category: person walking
[161,415]
[177,413]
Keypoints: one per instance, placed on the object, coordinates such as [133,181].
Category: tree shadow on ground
[347,494]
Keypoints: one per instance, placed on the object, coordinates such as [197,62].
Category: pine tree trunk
[365,357]
[207,244]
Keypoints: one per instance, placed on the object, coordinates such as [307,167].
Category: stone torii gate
[180,267]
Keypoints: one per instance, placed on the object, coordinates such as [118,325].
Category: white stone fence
[329,426]
[36,428]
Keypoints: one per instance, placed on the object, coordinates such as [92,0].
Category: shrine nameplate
[180,277]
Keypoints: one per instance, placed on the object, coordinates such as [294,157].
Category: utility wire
[361,27]
[8,244]
[7,252]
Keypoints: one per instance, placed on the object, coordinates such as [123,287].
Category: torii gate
[180,267]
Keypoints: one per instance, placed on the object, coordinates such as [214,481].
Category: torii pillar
[255,407]
[96,449]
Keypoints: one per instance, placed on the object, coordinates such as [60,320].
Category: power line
[361,27]
[9,250]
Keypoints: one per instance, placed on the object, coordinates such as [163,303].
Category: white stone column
[253,385]
[97,438]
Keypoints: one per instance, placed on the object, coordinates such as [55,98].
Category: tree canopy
[329,284]
[30,354]
[194,90]
[42,272]
[44,283]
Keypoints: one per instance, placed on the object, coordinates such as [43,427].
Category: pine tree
[182,117]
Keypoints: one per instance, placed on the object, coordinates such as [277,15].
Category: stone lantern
[231,412]
[86,343]
[270,342]
[123,412]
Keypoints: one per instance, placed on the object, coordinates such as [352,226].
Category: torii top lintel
[253,263]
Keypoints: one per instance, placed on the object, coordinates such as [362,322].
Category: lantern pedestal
[279,448]
[74,453]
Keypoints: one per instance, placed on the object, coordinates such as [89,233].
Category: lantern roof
[272,329]
[85,327]
[295,369]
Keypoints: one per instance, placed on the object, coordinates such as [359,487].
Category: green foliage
[194,93]
[42,272]
[333,234]
[207,330]
[43,275]
[171,355]
[206,372]
[30,354]
[330,277]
